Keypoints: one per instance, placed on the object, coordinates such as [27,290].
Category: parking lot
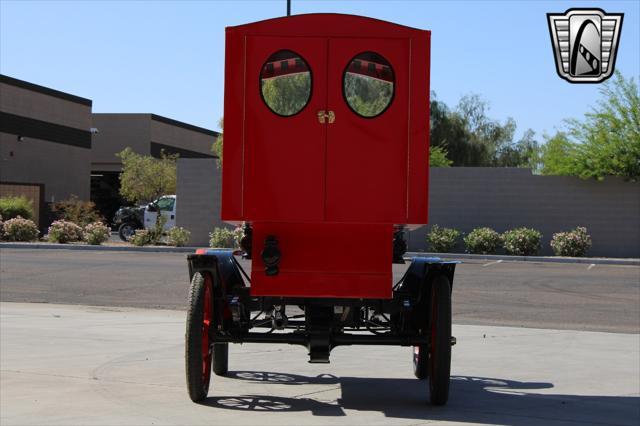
[519,294]
[538,343]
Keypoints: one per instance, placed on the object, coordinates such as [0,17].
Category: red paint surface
[304,181]
[284,156]
[325,260]
[366,161]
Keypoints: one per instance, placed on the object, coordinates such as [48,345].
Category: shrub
[150,236]
[96,233]
[574,243]
[12,207]
[522,241]
[1,228]
[64,231]
[178,236]
[19,229]
[222,238]
[238,234]
[77,211]
[442,240]
[482,241]
[142,237]
[157,231]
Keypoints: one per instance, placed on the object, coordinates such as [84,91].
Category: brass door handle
[323,116]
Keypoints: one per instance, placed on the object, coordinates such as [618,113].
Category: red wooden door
[353,166]
[367,144]
[283,141]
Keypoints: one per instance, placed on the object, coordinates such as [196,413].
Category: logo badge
[585,43]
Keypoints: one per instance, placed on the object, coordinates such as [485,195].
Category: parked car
[128,219]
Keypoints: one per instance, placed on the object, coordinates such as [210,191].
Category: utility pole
[288,7]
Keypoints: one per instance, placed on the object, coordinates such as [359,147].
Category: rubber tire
[197,385]
[420,362]
[122,227]
[440,326]
[221,359]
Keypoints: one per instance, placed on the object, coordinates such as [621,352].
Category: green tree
[145,179]
[447,131]
[473,139]
[606,142]
[438,157]
[558,155]
[523,153]
[216,147]
[609,135]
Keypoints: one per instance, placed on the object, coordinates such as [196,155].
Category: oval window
[285,83]
[368,84]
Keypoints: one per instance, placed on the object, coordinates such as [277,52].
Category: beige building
[147,134]
[45,143]
[52,147]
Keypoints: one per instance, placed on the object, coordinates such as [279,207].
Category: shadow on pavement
[472,400]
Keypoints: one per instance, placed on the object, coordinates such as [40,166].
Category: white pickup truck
[128,219]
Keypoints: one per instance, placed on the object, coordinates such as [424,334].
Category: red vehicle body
[326,149]
[326,188]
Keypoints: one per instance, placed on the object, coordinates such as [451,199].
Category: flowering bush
[142,237]
[77,211]
[222,238]
[573,243]
[96,233]
[522,241]
[482,241]
[64,231]
[19,229]
[178,236]
[442,240]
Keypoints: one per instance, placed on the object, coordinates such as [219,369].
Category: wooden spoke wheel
[198,345]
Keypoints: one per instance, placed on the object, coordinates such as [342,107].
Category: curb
[148,249]
[452,256]
[543,259]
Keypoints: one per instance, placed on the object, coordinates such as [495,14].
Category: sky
[167,57]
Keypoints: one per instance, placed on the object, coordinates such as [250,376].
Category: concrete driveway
[79,365]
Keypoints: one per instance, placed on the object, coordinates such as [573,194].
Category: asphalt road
[520,294]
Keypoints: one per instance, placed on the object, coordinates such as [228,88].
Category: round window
[285,83]
[368,84]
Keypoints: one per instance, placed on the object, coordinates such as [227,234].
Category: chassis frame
[324,323]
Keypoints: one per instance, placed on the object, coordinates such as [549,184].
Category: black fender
[422,270]
[415,287]
[227,283]
[222,267]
